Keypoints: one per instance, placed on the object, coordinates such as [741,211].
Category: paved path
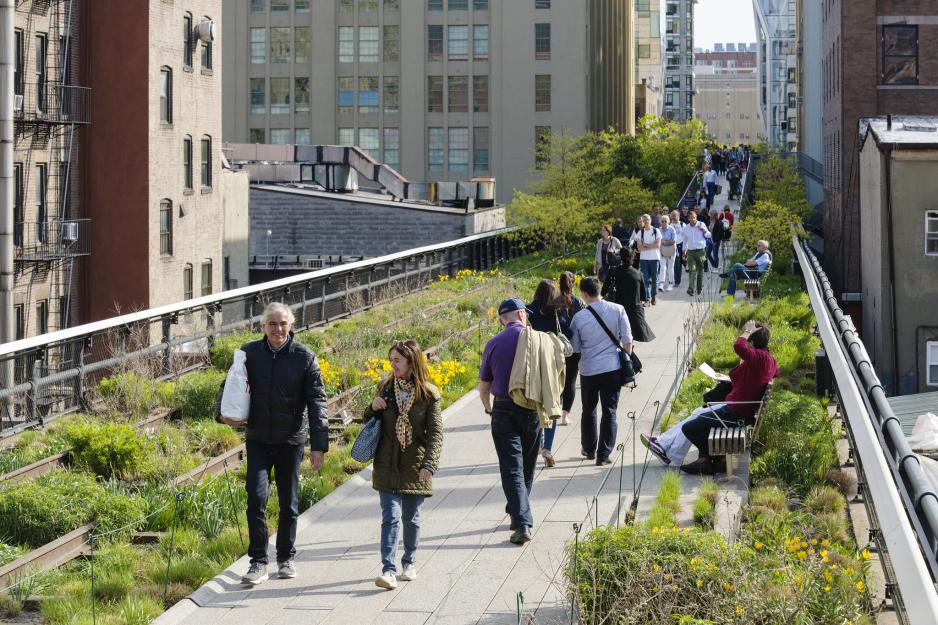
[468,571]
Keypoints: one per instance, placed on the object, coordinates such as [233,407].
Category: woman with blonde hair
[407,456]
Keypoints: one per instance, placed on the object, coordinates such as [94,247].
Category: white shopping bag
[236,399]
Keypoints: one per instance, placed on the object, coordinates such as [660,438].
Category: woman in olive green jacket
[408,455]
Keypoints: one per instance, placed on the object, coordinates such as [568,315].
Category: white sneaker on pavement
[386,580]
[409,574]
[670,287]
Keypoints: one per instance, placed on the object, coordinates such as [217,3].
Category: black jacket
[625,288]
[288,397]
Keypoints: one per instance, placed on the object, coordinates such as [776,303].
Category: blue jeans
[713,254]
[604,389]
[678,265]
[711,191]
[740,272]
[396,508]
[650,277]
[285,461]
[516,432]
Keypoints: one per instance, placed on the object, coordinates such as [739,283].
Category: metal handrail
[904,502]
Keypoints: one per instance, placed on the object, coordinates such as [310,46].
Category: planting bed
[124,480]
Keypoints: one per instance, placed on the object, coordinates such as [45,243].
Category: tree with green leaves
[776,224]
[670,153]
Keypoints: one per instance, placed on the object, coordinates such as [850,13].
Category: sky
[723,21]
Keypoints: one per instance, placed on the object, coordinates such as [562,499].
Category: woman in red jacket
[749,379]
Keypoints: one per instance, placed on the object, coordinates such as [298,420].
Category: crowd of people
[569,331]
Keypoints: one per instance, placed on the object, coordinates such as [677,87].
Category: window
[435,42]
[301,44]
[187,39]
[346,44]
[166,228]
[346,94]
[931,364]
[19,313]
[458,45]
[542,42]
[458,94]
[480,94]
[20,54]
[367,5]
[392,43]
[542,92]
[42,206]
[346,136]
[644,51]
[931,233]
[258,6]
[42,316]
[301,6]
[64,315]
[279,45]
[434,94]
[541,4]
[258,135]
[480,150]
[369,140]
[258,96]
[258,45]
[166,95]
[301,95]
[392,147]
[279,96]
[480,5]
[207,277]
[18,216]
[392,5]
[347,5]
[207,54]
[480,42]
[434,5]
[279,6]
[541,146]
[368,101]
[207,162]
[367,44]
[458,5]
[187,163]
[900,55]
[392,94]
[302,136]
[41,70]
[187,281]
[435,149]
[279,136]
[459,149]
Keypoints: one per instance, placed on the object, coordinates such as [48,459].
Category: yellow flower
[849,570]
[813,541]
[655,568]
[826,543]
[699,583]
[674,587]
[828,576]
[802,555]
[865,554]
[758,545]
[827,589]
[728,586]
[860,585]
[739,610]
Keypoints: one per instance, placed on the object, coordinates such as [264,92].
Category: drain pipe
[7,59]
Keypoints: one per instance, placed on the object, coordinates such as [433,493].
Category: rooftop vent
[911,128]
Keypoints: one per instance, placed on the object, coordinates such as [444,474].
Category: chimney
[889,122]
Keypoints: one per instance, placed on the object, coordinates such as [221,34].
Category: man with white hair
[754,267]
[288,408]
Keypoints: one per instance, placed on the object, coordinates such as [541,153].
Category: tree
[554,222]
[778,181]
[670,153]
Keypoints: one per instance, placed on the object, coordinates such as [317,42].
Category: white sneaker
[564,420]
[386,580]
[409,574]
[670,287]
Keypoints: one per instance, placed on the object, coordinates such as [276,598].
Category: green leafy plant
[221,352]
[196,393]
[108,449]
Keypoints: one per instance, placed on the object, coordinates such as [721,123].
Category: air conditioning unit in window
[17,103]
[205,31]
[69,231]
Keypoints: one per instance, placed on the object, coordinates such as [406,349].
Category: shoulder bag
[626,370]
[366,443]
[567,345]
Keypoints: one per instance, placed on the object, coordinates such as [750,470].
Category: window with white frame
[435,149]
[458,43]
[459,149]
[392,94]
[368,100]
[369,140]
[301,95]
[280,136]
[346,136]
[279,96]
[368,44]
[301,45]
[302,136]
[392,147]
[258,96]
[258,45]
[280,45]
[931,363]
[931,233]
[346,44]
[480,42]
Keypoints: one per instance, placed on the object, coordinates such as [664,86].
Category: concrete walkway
[468,571]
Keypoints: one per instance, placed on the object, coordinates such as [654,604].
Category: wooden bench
[735,441]
[753,286]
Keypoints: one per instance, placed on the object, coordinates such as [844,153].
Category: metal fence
[50,375]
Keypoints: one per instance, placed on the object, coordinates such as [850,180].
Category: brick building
[896,40]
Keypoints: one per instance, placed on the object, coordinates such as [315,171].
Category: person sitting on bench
[749,379]
[753,269]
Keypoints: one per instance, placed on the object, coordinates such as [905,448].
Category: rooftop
[919,131]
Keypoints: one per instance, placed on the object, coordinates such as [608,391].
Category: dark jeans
[678,264]
[697,430]
[516,432]
[285,461]
[569,393]
[603,389]
[740,272]
[713,254]
[711,191]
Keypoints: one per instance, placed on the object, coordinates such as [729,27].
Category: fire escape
[49,110]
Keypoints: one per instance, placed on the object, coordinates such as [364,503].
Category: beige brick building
[727,99]
[438,89]
[649,58]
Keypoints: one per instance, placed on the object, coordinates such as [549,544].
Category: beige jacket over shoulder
[538,373]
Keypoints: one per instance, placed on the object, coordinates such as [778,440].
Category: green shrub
[196,393]
[111,586]
[108,449]
[130,394]
[825,500]
[222,350]
[190,571]
[8,553]
[211,438]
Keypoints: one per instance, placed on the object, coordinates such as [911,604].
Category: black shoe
[690,291]
[521,535]
[587,455]
[705,466]
[724,275]
[699,291]
[601,463]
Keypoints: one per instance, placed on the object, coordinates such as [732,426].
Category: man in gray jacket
[288,408]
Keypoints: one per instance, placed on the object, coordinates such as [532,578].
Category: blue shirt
[498,356]
[597,352]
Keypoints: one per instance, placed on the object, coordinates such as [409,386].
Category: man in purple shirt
[516,430]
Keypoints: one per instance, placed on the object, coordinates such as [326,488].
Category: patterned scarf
[403,428]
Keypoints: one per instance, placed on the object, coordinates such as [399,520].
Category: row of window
[727,115]
[453,143]
[281,136]
[42,317]
[280,95]
[302,6]
[457,43]
[288,44]
[42,216]
[283,6]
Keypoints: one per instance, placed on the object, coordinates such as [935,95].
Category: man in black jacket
[288,407]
